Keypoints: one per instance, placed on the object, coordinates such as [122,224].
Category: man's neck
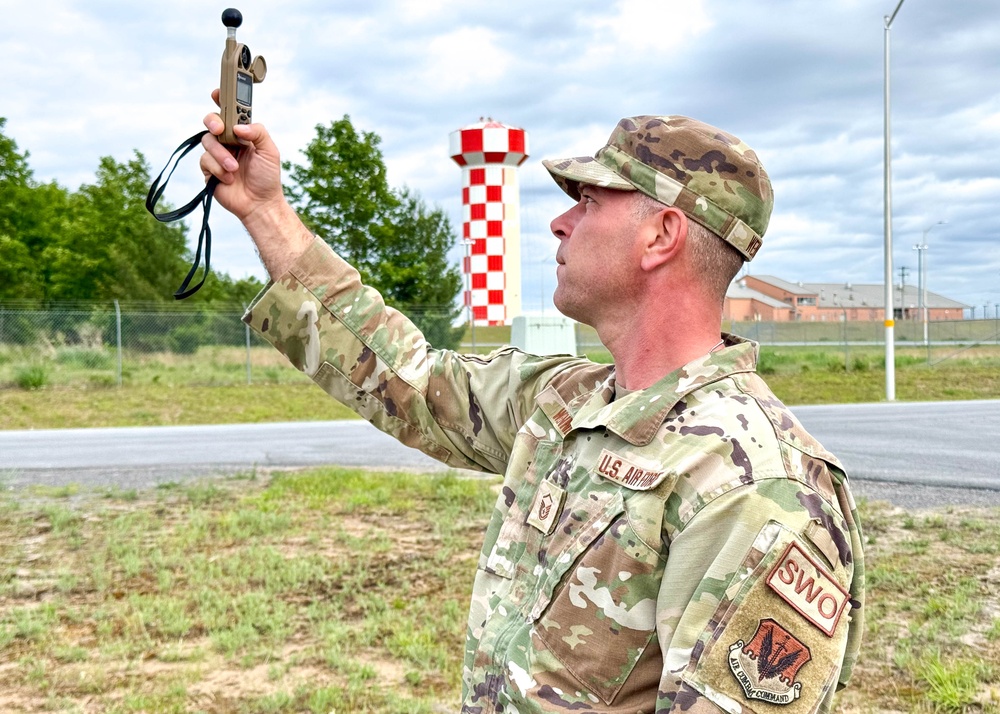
[658,340]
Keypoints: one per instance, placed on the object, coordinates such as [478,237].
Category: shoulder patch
[628,472]
[767,665]
[807,586]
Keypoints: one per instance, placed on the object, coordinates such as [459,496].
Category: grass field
[210,387]
[343,591]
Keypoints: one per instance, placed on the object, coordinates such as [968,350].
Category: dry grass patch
[339,590]
[932,641]
[335,590]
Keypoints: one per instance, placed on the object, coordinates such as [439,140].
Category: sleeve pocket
[776,641]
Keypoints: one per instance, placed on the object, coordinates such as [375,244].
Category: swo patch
[806,585]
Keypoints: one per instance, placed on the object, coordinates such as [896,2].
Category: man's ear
[666,235]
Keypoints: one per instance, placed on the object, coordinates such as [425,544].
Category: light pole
[922,277]
[468,295]
[890,346]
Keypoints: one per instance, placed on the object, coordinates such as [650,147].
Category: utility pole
[921,249]
[903,271]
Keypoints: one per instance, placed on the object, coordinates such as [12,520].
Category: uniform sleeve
[755,606]
[462,410]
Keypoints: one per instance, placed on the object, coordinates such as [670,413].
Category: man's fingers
[255,134]
[221,153]
[217,159]
[213,122]
[211,167]
[215,97]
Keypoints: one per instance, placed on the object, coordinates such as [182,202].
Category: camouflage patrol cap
[712,176]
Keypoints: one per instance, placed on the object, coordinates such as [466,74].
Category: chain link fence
[906,332]
[110,344]
[101,344]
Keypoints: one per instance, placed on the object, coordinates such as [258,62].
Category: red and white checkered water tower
[489,153]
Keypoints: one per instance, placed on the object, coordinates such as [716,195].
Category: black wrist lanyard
[203,199]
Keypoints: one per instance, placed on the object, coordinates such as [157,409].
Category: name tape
[619,469]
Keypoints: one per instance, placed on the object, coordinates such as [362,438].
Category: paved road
[142,456]
[914,454]
[930,443]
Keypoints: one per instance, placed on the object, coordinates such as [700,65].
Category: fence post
[247,328]
[118,339]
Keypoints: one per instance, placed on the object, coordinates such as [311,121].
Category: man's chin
[568,308]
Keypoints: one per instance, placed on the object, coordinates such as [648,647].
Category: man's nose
[562,225]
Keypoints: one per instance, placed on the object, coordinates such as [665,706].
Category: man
[668,537]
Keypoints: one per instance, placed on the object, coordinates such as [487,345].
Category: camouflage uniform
[686,547]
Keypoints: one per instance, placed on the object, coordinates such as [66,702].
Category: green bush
[771,361]
[82,357]
[102,380]
[186,339]
[18,328]
[32,377]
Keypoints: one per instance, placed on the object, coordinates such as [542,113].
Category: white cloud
[460,59]
[799,81]
[653,29]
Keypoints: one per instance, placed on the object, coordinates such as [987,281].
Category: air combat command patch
[766,667]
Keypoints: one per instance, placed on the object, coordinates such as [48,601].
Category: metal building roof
[873,295]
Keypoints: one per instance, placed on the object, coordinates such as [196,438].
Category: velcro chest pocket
[509,536]
[601,617]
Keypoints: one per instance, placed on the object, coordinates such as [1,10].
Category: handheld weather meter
[239,74]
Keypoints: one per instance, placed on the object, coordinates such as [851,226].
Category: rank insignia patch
[545,510]
[766,667]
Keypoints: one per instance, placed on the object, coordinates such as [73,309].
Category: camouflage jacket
[687,547]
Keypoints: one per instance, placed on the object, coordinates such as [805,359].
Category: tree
[396,242]
[413,268]
[18,279]
[221,288]
[98,243]
[25,218]
[114,248]
[13,164]
[342,192]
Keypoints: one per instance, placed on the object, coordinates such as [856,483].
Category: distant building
[746,305]
[767,298]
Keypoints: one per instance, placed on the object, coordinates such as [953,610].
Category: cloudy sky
[800,81]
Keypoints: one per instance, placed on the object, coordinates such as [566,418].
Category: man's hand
[250,188]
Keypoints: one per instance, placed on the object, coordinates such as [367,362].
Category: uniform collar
[638,416]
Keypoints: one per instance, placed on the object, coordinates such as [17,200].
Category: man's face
[598,254]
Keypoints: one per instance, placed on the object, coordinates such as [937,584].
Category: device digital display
[244,88]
